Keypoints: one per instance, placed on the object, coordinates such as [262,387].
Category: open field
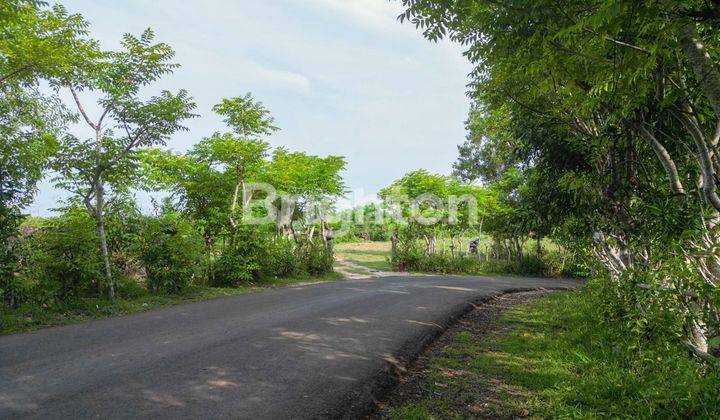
[370,255]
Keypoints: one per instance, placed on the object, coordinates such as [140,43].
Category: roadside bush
[412,253]
[241,261]
[171,253]
[64,260]
[257,254]
[124,224]
[280,259]
[526,265]
[12,291]
[316,259]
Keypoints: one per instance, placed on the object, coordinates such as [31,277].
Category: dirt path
[355,271]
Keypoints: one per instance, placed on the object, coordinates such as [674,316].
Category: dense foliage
[609,110]
[100,243]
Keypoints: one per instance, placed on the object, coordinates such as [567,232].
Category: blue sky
[341,77]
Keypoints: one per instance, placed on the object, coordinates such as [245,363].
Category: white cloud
[379,14]
[341,77]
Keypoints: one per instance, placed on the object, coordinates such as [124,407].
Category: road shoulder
[445,381]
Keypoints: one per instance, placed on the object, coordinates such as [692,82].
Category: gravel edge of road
[363,402]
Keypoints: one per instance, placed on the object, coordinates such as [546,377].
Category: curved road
[297,352]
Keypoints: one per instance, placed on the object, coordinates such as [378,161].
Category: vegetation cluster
[100,244]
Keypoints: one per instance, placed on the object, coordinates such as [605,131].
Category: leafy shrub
[258,254]
[415,259]
[65,259]
[411,252]
[171,252]
[316,259]
[11,290]
[235,268]
[280,259]
[241,261]
[124,224]
[564,264]
[526,265]
[128,288]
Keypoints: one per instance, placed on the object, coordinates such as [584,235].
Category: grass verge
[30,316]
[550,358]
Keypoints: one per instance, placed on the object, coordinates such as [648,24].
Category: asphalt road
[298,352]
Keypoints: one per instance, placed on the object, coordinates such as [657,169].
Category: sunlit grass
[553,359]
[372,255]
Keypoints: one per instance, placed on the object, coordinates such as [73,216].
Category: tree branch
[81,109]
[102,117]
[13,74]
[665,159]
[705,156]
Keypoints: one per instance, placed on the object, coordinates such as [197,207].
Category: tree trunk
[452,246]
[665,159]
[702,64]
[209,259]
[100,219]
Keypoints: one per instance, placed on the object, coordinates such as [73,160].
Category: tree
[29,124]
[34,44]
[209,180]
[309,183]
[199,189]
[107,162]
[246,117]
[488,151]
[616,103]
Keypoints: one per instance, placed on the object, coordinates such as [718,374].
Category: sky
[341,77]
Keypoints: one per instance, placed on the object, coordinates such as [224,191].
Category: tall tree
[35,44]
[92,167]
[247,117]
[619,98]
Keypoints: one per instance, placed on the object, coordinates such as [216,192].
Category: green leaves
[246,117]
[128,122]
[208,180]
[245,157]
[308,176]
[151,122]
[37,42]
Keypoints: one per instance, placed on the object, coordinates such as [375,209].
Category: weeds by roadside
[553,358]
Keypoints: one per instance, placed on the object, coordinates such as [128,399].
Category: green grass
[555,358]
[31,316]
[371,255]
